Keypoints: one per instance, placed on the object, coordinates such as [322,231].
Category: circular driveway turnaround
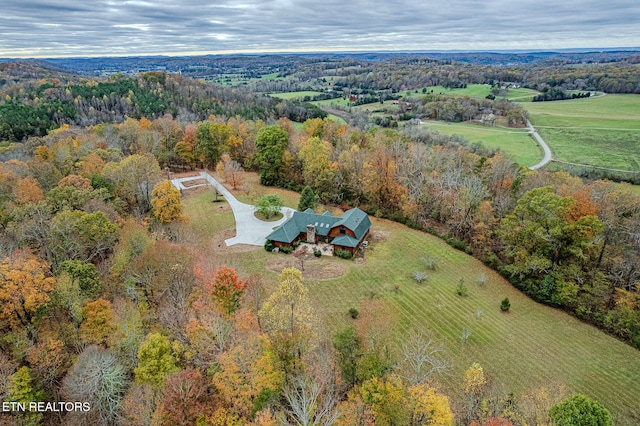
[249,229]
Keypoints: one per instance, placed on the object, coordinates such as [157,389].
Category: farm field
[603,131]
[527,348]
[233,80]
[479,91]
[515,143]
[294,95]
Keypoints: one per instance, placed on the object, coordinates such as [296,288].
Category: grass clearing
[602,131]
[528,347]
[295,95]
[515,143]
[337,119]
[479,91]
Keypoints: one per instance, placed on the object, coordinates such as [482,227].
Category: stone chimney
[311,234]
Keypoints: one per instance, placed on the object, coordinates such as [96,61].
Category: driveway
[545,147]
[249,229]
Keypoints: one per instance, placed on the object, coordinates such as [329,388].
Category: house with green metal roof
[346,232]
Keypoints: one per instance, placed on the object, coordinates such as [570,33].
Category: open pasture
[515,143]
[478,91]
[295,95]
[603,131]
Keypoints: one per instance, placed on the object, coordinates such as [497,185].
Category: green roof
[354,219]
[345,241]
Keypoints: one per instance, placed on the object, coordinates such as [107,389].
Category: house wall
[334,232]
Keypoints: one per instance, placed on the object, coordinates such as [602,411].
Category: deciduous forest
[104,298]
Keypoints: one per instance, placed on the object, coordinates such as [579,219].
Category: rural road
[545,147]
[249,229]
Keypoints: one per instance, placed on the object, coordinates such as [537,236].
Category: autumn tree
[133,179]
[98,324]
[547,248]
[231,171]
[186,397]
[288,318]
[28,191]
[429,407]
[156,358]
[388,400]
[225,288]
[166,203]
[76,235]
[23,389]
[288,309]
[164,284]
[249,376]
[185,149]
[25,290]
[474,383]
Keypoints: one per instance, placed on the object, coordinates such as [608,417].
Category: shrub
[353,313]
[286,249]
[505,305]
[429,263]
[317,252]
[482,279]
[461,289]
[343,254]
[419,276]
[268,245]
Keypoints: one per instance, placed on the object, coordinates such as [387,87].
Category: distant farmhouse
[343,233]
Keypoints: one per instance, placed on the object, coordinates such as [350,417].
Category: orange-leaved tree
[26,285]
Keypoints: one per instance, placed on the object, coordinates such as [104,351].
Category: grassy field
[515,143]
[479,91]
[295,95]
[527,348]
[337,119]
[602,131]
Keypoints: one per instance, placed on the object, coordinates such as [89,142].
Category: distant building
[344,233]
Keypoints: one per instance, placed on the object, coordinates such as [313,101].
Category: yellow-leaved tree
[166,203]
[288,318]
[26,285]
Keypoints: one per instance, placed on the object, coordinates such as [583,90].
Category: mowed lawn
[603,131]
[526,348]
[515,143]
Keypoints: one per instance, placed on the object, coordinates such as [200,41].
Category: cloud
[138,27]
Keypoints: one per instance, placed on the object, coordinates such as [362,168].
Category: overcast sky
[49,28]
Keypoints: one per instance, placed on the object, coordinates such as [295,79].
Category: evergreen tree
[308,199]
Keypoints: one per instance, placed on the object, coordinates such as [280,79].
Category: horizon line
[334,51]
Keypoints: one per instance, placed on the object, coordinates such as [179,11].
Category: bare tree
[311,402]
[422,357]
[99,379]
